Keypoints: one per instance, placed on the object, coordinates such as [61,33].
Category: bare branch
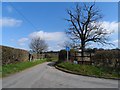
[38,45]
[85,26]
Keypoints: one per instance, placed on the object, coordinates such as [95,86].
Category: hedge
[108,58]
[104,58]
[12,55]
[63,55]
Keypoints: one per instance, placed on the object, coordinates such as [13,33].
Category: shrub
[62,55]
[12,55]
[107,58]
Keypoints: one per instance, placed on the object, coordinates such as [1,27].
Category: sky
[22,21]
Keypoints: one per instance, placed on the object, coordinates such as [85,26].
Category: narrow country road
[46,76]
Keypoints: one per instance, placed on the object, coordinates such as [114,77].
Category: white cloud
[54,39]
[110,26]
[9,22]
[115,41]
[49,36]
[54,47]
[22,41]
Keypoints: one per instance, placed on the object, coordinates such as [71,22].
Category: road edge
[71,72]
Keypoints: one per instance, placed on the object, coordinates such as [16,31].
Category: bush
[107,58]
[12,55]
[62,55]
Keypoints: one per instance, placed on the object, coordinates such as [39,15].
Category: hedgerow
[12,55]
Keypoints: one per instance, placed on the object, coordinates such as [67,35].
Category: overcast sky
[22,21]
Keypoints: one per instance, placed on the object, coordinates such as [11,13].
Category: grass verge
[0,71]
[89,70]
[53,59]
[13,68]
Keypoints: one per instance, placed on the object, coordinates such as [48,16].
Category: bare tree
[38,45]
[85,26]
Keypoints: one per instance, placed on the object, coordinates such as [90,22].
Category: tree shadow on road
[51,64]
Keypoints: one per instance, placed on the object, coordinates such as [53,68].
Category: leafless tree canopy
[38,45]
[85,26]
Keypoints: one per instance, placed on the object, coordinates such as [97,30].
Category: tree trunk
[82,51]
[37,55]
[82,55]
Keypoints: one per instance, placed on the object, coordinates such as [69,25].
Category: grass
[0,71]
[13,68]
[53,59]
[89,70]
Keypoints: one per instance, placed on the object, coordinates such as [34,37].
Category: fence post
[90,59]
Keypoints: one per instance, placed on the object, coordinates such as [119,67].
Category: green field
[89,70]
[13,68]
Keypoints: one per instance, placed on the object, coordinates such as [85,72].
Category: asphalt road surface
[46,76]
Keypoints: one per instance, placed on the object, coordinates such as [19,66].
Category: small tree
[85,26]
[38,45]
